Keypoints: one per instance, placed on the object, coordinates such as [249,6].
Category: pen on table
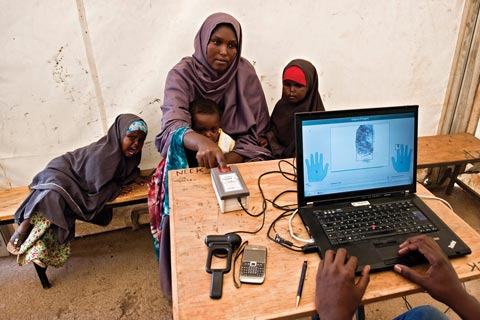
[302,280]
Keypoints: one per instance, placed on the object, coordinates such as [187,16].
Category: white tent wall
[367,53]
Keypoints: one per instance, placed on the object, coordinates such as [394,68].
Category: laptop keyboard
[356,224]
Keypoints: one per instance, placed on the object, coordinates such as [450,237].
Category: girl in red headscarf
[299,94]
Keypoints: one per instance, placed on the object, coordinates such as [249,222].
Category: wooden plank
[11,199]
[446,150]
[459,114]
[137,195]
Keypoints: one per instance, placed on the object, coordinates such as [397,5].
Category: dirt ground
[113,275]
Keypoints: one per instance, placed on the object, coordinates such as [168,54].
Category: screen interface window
[357,153]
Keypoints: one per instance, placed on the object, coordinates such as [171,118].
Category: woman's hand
[209,154]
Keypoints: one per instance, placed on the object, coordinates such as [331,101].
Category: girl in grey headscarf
[76,185]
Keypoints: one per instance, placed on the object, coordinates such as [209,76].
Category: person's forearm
[233,157]
[209,154]
[467,307]
[192,140]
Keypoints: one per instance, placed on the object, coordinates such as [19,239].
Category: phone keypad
[252,268]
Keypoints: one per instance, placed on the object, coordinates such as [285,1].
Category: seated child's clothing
[225,142]
[299,94]
[77,185]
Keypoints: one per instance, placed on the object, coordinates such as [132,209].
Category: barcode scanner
[220,246]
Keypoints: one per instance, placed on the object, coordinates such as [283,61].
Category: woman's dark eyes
[219,42]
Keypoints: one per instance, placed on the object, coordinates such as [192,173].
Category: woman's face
[222,48]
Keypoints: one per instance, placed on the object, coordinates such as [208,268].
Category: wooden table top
[195,214]
[445,150]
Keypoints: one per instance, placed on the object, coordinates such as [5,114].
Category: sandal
[13,246]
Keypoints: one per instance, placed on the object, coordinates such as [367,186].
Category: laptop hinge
[310,204]
[402,193]
[397,193]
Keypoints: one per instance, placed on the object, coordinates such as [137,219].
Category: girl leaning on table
[77,185]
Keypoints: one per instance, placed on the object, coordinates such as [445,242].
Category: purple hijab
[82,181]
[282,131]
[238,90]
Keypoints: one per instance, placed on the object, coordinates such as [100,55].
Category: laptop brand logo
[452,244]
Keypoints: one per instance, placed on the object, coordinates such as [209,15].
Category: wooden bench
[455,150]
[11,199]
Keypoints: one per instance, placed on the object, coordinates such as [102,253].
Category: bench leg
[453,179]
[42,275]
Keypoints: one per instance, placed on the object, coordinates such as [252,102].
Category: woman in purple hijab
[216,71]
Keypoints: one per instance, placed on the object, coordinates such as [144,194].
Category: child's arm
[126,189]
[263,142]
[140,180]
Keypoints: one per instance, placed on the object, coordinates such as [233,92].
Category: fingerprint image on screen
[364,142]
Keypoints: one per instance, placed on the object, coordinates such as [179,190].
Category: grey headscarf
[238,91]
[79,183]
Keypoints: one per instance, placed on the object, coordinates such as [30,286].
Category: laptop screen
[355,153]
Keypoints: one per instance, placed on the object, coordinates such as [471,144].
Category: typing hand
[315,169]
[402,162]
[338,295]
[440,279]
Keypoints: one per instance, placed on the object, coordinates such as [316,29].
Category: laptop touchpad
[389,254]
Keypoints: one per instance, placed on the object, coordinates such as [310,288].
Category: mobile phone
[254,263]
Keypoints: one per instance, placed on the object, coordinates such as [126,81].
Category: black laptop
[356,180]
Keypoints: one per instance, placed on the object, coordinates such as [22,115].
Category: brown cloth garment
[281,136]
[238,91]
[77,184]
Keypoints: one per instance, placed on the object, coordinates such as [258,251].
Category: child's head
[205,118]
[132,142]
[294,84]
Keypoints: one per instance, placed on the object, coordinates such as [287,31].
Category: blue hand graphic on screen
[315,169]
[404,156]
